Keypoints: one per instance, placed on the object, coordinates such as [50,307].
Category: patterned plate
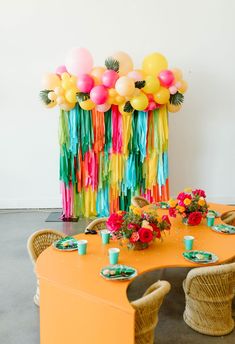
[201,257]
[225,229]
[118,272]
[163,205]
[66,244]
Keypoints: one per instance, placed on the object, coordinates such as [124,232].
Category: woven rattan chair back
[209,292]
[146,312]
[98,224]
[139,201]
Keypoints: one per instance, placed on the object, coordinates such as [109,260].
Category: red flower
[167,220]
[195,218]
[146,235]
[115,222]
[156,229]
[134,237]
[133,226]
[199,192]
[172,212]
[182,195]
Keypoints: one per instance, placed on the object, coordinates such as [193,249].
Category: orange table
[78,306]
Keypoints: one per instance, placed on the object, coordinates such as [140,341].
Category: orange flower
[201,201]
[181,209]
[187,201]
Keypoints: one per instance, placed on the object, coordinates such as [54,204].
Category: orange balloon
[162,96]
[173,108]
[125,62]
[184,86]
[97,73]
[50,81]
[177,74]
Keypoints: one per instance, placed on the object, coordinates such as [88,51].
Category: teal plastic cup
[82,247]
[210,220]
[113,255]
[188,242]
[105,235]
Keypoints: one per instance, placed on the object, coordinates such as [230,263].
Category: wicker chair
[97,224]
[209,292]
[139,201]
[147,307]
[36,244]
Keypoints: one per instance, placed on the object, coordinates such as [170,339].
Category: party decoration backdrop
[113,129]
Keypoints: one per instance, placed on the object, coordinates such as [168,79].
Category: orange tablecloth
[78,306]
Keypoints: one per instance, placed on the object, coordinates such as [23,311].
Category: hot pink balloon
[152,106]
[79,61]
[173,89]
[103,107]
[85,83]
[135,75]
[166,78]
[109,78]
[60,70]
[99,94]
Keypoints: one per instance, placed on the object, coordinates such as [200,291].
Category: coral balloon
[125,62]
[60,100]
[137,76]
[85,83]
[87,104]
[152,106]
[140,102]
[99,94]
[70,96]
[79,61]
[162,96]
[52,96]
[103,107]
[177,74]
[166,78]
[59,91]
[152,84]
[183,87]
[109,78]
[154,63]
[125,86]
[97,73]
[50,81]
[173,108]
[60,70]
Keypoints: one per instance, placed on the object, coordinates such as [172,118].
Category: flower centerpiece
[137,227]
[191,205]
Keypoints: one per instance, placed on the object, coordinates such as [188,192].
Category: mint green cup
[113,255]
[105,235]
[210,220]
[82,247]
[188,242]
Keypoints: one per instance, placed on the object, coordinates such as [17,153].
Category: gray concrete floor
[19,317]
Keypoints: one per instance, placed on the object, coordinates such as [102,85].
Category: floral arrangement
[191,205]
[137,227]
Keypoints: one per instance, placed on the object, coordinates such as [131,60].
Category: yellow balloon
[59,91]
[52,96]
[87,104]
[66,84]
[51,105]
[136,93]
[154,63]
[60,100]
[70,96]
[119,99]
[152,84]
[125,86]
[65,76]
[67,106]
[73,79]
[97,73]
[177,74]
[162,96]
[50,81]
[125,62]
[184,86]
[173,108]
[140,102]
[121,110]
[112,92]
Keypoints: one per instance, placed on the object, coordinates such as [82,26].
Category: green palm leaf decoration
[111,63]
[140,84]
[177,98]
[128,107]
[44,96]
[81,96]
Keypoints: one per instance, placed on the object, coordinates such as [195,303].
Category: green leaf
[128,107]
[112,64]
[81,96]
[177,98]
[140,84]
[44,96]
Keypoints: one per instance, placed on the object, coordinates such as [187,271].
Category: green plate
[118,272]
[214,212]
[66,244]
[225,229]
[201,257]
[163,205]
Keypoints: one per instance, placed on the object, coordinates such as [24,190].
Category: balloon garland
[113,129]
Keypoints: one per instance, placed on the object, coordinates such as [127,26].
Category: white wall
[196,36]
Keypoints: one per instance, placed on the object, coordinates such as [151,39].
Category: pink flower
[134,237]
[195,218]
[199,192]
[172,212]
[133,226]
[115,222]
[146,235]
[182,195]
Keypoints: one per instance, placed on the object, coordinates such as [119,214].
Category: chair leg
[36,297]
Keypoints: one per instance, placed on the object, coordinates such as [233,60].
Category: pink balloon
[85,83]
[166,78]
[103,107]
[109,78]
[135,75]
[60,70]
[79,61]
[99,94]
[173,89]
[152,106]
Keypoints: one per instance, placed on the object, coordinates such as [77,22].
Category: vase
[137,246]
